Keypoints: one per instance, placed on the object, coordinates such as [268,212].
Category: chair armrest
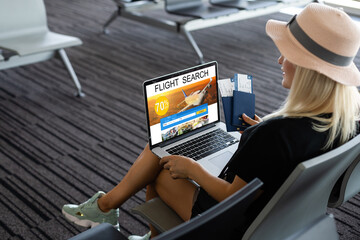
[158,214]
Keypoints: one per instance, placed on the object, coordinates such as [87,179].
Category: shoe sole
[84,223]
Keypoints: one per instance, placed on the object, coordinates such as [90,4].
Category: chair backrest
[175,5]
[303,198]
[347,186]
[22,17]
[217,221]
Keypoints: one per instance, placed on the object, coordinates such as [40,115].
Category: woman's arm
[219,189]
[183,167]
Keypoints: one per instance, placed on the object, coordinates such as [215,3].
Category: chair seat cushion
[40,42]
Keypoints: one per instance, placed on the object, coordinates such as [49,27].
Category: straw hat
[321,38]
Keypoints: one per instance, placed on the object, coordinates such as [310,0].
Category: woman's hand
[187,168]
[251,121]
[179,166]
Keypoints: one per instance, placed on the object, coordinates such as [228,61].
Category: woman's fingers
[166,166]
[257,118]
[249,120]
[177,165]
[164,160]
[173,175]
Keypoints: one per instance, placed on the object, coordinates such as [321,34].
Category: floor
[57,149]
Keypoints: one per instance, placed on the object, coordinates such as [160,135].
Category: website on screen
[181,104]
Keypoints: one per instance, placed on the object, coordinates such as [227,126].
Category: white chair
[25,37]
[299,208]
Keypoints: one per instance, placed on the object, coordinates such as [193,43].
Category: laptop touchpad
[221,160]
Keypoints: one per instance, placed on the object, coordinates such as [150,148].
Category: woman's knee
[148,153]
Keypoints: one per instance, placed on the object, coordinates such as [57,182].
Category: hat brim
[292,50]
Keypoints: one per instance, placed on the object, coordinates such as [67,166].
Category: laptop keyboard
[204,145]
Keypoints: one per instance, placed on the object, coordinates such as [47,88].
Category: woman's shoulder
[281,126]
[279,123]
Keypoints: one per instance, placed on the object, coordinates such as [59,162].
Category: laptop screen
[181,102]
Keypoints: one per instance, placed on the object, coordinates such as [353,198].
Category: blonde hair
[313,94]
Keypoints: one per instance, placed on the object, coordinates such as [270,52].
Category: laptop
[182,112]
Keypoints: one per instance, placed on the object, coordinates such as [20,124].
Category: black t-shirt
[270,151]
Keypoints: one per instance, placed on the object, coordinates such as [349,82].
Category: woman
[320,113]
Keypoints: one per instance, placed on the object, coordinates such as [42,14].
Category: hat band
[315,48]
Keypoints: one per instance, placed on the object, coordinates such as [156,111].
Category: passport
[228,112]
[242,103]
[237,98]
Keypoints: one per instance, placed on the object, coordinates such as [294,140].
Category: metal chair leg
[71,71]
[193,44]
[110,20]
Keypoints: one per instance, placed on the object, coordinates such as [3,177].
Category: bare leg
[143,172]
[176,193]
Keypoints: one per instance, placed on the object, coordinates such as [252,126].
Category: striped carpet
[57,149]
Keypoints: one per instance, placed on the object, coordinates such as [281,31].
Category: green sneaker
[88,214]
[145,237]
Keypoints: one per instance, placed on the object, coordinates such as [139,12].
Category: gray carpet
[57,149]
